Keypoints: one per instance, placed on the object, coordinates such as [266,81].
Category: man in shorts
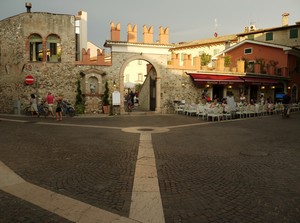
[50,102]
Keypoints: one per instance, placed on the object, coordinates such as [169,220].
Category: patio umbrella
[129,85]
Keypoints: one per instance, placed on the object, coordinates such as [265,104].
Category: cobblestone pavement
[234,171]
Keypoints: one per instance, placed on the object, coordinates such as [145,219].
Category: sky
[187,20]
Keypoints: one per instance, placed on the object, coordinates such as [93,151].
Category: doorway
[218,91]
[254,92]
[152,91]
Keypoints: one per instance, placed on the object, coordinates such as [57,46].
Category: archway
[157,88]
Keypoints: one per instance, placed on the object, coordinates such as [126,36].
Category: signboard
[29,80]
[116,98]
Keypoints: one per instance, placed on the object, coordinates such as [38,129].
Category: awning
[215,79]
[260,81]
[201,78]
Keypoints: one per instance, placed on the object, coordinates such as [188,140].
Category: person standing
[262,99]
[58,110]
[132,98]
[33,105]
[286,100]
[50,102]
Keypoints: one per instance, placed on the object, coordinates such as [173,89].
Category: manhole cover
[254,153]
[145,129]
[140,129]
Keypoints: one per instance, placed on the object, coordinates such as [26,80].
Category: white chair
[278,108]
[240,112]
[264,109]
[258,109]
[216,113]
[249,110]
[179,108]
[191,110]
[295,107]
[200,111]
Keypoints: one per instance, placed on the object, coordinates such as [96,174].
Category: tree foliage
[79,104]
[105,98]
[205,59]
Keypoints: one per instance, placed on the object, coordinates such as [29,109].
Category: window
[250,67]
[293,33]
[216,51]
[36,48]
[140,62]
[140,77]
[182,56]
[247,50]
[251,37]
[269,36]
[53,49]
[126,77]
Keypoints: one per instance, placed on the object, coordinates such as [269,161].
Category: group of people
[50,100]
[228,104]
[130,99]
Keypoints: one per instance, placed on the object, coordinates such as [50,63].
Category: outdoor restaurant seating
[223,111]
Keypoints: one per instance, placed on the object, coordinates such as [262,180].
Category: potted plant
[227,62]
[105,99]
[205,60]
[272,66]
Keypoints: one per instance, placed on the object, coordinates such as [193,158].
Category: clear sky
[187,20]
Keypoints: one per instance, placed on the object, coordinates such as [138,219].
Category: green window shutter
[293,33]
[269,36]
[251,37]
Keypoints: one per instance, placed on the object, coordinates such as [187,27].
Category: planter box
[106,109]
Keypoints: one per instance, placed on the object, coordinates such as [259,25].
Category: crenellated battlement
[189,63]
[101,59]
[132,34]
[115,31]
[148,34]
[194,63]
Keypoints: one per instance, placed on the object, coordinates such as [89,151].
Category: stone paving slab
[203,172]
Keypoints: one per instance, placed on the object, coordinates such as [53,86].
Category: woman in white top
[33,104]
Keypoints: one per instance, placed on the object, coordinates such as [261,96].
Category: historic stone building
[42,45]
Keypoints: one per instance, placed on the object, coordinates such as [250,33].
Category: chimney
[28,6]
[285,19]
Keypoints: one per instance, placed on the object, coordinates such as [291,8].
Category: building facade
[53,49]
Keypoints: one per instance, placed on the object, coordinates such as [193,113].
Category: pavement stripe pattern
[146,204]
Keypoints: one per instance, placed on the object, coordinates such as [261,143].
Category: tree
[205,59]
[105,98]
[79,104]
[227,61]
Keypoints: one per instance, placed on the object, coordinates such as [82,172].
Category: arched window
[53,49]
[36,47]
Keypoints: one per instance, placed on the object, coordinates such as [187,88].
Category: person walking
[286,100]
[33,105]
[58,110]
[50,102]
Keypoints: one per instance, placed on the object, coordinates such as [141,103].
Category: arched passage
[157,80]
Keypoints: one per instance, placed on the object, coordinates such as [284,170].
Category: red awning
[227,79]
[260,81]
[216,79]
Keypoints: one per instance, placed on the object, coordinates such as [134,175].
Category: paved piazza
[149,168]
